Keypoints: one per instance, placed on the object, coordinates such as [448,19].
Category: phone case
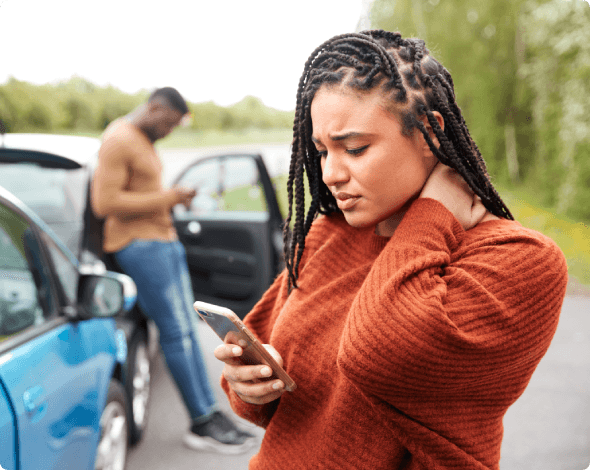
[224,321]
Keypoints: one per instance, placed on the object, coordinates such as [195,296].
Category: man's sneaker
[219,434]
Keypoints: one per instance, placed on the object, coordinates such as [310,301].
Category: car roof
[32,215]
[79,149]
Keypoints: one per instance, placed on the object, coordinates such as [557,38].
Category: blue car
[51,174]
[62,403]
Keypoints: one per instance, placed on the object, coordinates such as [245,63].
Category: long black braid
[417,85]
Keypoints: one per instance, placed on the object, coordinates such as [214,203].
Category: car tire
[138,385]
[111,453]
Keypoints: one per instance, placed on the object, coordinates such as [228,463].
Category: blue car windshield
[57,195]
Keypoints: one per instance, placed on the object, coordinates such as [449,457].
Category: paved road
[548,428]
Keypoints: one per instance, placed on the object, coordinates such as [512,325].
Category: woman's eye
[357,151]
[322,153]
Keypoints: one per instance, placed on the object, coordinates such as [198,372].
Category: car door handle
[33,398]
[194,228]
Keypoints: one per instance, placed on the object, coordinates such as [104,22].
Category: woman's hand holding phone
[244,380]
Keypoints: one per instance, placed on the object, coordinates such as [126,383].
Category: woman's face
[373,171]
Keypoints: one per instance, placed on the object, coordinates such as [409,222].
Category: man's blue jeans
[164,293]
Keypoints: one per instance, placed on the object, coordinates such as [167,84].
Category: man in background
[127,191]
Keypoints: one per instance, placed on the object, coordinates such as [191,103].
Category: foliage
[557,69]
[79,105]
[571,236]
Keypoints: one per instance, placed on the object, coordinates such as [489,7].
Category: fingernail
[237,351]
[266,371]
[277,385]
[243,343]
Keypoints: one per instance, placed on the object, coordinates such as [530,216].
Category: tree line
[81,106]
[522,79]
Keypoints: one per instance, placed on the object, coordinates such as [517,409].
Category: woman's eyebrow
[346,135]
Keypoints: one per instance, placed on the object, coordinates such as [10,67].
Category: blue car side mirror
[105,295]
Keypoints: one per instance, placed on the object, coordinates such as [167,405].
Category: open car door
[232,231]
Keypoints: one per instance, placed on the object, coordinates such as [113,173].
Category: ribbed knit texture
[407,351]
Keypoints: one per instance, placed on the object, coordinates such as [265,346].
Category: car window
[225,184]
[55,194]
[204,177]
[243,190]
[67,273]
[25,290]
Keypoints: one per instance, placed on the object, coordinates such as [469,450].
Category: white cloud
[216,50]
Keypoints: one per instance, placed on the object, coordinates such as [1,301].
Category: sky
[218,50]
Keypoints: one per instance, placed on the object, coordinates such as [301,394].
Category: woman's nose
[334,171]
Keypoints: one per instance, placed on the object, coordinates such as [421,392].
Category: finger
[261,400]
[261,392]
[228,353]
[233,338]
[246,373]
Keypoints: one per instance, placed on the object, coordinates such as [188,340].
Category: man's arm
[109,196]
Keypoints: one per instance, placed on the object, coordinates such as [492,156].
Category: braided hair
[414,85]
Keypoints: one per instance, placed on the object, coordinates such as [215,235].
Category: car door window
[225,184]
[205,178]
[243,189]
[25,292]
[55,194]
[67,272]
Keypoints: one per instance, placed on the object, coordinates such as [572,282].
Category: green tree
[556,37]
[78,114]
[38,117]
[7,112]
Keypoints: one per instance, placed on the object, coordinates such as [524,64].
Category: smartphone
[224,322]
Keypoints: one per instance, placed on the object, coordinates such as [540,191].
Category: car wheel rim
[141,386]
[112,448]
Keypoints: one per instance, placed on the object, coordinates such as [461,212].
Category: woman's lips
[346,201]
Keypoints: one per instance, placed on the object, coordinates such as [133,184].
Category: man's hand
[449,188]
[184,196]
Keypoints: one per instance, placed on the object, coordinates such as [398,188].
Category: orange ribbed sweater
[406,351]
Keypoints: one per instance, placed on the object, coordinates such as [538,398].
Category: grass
[187,138]
[573,237]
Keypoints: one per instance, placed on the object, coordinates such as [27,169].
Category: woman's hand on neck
[449,188]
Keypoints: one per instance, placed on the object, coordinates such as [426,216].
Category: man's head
[163,111]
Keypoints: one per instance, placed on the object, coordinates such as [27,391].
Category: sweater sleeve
[440,320]
[260,322]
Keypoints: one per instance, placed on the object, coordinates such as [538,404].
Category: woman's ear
[441,123]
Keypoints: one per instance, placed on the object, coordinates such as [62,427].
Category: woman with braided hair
[413,309]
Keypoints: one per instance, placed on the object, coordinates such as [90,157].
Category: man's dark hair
[171,95]
[413,85]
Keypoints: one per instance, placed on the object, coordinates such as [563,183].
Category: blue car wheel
[111,453]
